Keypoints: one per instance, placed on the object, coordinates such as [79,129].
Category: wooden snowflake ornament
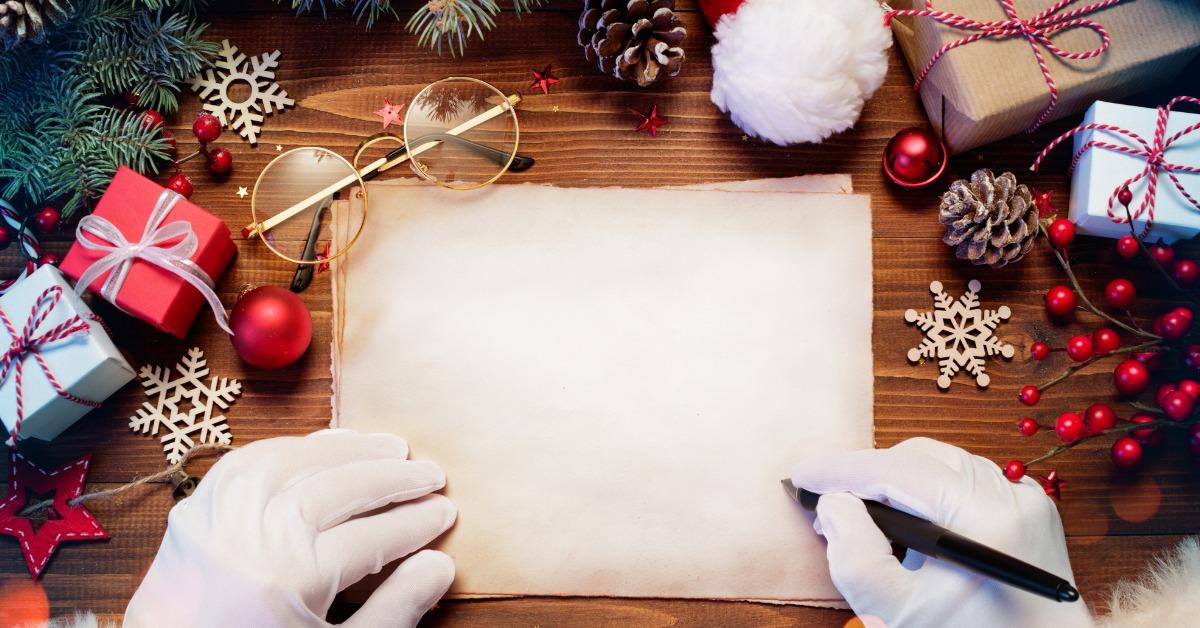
[959,334]
[264,97]
[185,409]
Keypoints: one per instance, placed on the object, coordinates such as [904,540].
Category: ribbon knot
[1037,30]
[29,343]
[1153,151]
[169,247]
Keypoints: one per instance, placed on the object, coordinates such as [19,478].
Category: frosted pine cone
[634,40]
[27,19]
[989,220]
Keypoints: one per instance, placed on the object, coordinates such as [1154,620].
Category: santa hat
[795,71]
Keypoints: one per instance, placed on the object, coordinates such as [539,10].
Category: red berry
[220,160]
[1120,293]
[1149,358]
[1163,391]
[169,138]
[1062,232]
[1185,271]
[1148,436]
[1162,253]
[1127,246]
[47,220]
[1124,195]
[1027,426]
[206,128]
[1191,357]
[1173,326]
[1105,340]
[1126,453]
[1039,350]
[1069,427]
[1193,442]
[151,119]
[1014,470]
[1099,417]
[1131,377]
[1029,395]
[1177,405]
[180,183]
[47,259]
[1189,387]
[131,98]
[6,236]
[1079,348]
[1060,301]
[1184,312]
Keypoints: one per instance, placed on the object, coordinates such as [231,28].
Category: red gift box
[149,292]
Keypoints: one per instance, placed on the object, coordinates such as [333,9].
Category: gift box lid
[149,292]
[88,364]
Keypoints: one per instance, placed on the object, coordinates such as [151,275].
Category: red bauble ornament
[1099,417]
[1124,195]
[1069,427]
[1028,427]
[1149,436]
[1039,350]
[1162,253]
[1029,395]
[1014,470]
[47,220]
[169,138]
[1131,377]
[1189,387]
[1120,293]
[1193,442]
[151,119]
[7,235]
[271,327]
[1105,340]
[1177,405]
[1127,246]
[48,259]
[1079,348]
[220,160]
[180,183]
[206,128]
[1060,301]
[1126,453]
[914,158]
[1185,271]
[1062,232]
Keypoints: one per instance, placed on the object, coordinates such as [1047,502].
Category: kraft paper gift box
[159,297]
[1101,171]
[85,363]
[993,88]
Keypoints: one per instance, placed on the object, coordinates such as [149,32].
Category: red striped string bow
[30,340]
[1037,30]
[1154,152]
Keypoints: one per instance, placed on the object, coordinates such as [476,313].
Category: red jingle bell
[914,158]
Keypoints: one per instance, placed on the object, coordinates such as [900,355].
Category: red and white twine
[1037,30]
[29,342]
[1154,152]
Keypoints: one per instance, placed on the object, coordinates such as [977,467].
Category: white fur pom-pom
[793,71]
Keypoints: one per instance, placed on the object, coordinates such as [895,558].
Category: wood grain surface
[582,134]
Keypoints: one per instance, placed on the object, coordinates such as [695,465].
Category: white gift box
[86,364]
[1101,171]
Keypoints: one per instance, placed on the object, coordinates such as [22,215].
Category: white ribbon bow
[120,254]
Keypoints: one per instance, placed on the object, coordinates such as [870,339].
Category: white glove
[961,492]
[279,526]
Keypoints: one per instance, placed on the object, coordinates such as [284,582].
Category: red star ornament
[1052,484]
[650,121]
[1045,203]
[389,112]
[73,523]
[544,80]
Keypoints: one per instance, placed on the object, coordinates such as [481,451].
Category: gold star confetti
[554,109]
[242,191]
[278,148]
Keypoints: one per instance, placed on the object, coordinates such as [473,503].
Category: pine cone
[991,220]
[26,19]
[635,40]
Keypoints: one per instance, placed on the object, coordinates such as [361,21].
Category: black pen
[935,541]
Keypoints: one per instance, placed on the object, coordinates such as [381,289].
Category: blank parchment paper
[615,380]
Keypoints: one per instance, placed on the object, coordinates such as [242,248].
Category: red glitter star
[324,257]
[1052,484]
[1043,201]
[67,523]
[544,80]
[389,112]
[650,121]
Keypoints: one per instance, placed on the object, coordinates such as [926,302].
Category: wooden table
[582,133]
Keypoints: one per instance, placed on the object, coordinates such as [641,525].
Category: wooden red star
[544,80]
[1043,201]
[650,121]
[71,523]
[389,112]
[1052,484]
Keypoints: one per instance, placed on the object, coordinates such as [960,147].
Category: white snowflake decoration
[185,406]
[959,334]
[265,96]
